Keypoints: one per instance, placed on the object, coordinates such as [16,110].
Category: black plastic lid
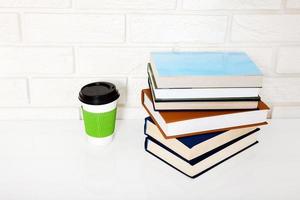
[98,93]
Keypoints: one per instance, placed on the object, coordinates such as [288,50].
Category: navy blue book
[191,148]
[206,163]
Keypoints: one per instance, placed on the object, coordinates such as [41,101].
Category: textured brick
[281,90]
[286,112]
[114,60]
[231,4]
[68,28]
[293,4]
[13,92]
[30,60]
[177,28]
[131,113]
[64,91]
[35,3]
[39,113]
[135,85]
[288,60]
[125,4]
[268,28]
[9,28]
[44,52]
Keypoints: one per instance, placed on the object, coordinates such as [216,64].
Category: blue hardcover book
[191,148]
[204,69]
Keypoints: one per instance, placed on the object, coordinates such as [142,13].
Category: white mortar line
[228,30]
[75,59]
[28,91]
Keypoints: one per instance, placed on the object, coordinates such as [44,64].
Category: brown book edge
[194,133]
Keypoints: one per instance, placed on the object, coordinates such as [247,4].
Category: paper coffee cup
[99,109]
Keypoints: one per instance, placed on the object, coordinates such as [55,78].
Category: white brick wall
[266,28]
[64,91]
[281,90]
[73,28]
[50,48]
[135,85]
[125,4]
[176,28]
[13,91]
[284,62]
[294,4]
[114,60]
[9,28]
[35,3]
[36,60]
[231,4]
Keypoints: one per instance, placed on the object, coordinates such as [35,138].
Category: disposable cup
[99,109]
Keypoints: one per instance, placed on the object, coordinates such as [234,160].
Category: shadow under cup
[99,109]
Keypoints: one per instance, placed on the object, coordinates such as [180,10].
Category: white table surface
[52,160]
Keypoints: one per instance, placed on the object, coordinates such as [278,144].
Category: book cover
[202,104]
[204,69]
[204,164]
[200,94]
[191,147]
[204,64]
[184,123]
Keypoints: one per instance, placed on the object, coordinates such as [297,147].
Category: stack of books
[204,108]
